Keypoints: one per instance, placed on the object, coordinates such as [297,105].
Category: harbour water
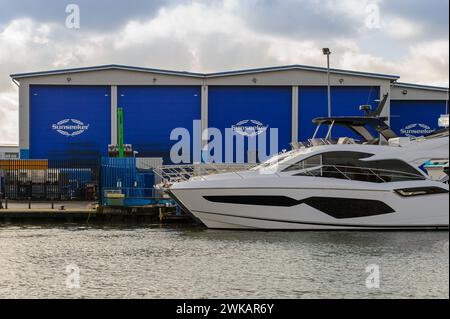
[151,262]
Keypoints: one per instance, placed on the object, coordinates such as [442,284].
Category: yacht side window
[311,162]
[347,165]
[350,166]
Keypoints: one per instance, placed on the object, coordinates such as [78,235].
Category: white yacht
[329,185]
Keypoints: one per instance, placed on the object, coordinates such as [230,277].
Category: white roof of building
[420,86]
[19,76]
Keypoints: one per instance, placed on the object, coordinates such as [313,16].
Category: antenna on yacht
[367,109]
[380,107]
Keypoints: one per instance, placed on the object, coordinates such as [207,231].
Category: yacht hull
[323,207]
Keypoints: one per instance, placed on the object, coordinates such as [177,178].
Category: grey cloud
[296,18]
[8,127]
[95,15]
[312,19]
[433,15]
[166,54]
[229,54]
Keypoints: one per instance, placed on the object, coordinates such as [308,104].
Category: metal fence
[50,179]
[77,179]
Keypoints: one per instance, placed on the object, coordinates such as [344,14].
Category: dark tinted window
[344,158]
[307,163]
[348,165]
[351,166]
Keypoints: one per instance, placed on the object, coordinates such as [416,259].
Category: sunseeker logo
[249,128]
[416,129]
[70,127]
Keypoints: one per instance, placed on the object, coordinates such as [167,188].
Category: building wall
[345,101]
[9,152]
[152,112]
[118,80]
[415,110]
[249,106]
[167,100]
[406,93]
[69,121]
[416,117]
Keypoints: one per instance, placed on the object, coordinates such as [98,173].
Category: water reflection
[193,262]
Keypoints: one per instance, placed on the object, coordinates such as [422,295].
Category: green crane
[120,132]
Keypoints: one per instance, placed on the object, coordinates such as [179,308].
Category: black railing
[50,180]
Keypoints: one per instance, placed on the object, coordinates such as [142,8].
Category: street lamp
[327,52]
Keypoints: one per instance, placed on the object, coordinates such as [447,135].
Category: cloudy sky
[409,38]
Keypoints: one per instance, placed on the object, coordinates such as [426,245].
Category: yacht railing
[357,173]
[324,141]
[170,174]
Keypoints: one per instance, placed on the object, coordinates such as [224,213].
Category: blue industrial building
[54,108]
[72,113]
[151,112]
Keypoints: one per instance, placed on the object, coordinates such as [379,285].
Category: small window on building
[11,155]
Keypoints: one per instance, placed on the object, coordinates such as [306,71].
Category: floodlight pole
[327,52]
